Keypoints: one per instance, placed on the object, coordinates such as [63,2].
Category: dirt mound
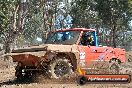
[45,79]
[126,67]
[3,63]
[129,56]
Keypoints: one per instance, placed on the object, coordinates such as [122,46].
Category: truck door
[89,50]
[87,43]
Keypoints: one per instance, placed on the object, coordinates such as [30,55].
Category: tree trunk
[17,26]
[114,36]
[7,48]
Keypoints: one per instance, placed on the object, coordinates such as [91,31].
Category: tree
[115,16]
[13,14]
[84,14]
[111,18]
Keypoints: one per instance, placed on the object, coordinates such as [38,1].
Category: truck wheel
[81,80]
[60,67]
[114,66]
[21,76]
[18,73]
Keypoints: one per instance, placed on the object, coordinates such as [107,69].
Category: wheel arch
[70,56]
[115,59]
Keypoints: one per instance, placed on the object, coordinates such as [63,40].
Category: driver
[87,39]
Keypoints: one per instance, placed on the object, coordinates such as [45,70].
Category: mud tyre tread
[54,63]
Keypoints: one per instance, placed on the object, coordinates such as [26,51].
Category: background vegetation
[23,22]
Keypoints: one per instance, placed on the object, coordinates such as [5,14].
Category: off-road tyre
[114,66]
[20,76]
[81,80]
[18,73]
[60,67]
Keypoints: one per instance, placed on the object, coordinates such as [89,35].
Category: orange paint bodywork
[93,53]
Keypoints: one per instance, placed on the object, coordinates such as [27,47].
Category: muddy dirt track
[8,80]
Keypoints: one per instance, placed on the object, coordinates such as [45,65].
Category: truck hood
[41,49]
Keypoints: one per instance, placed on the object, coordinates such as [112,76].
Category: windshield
[65,37]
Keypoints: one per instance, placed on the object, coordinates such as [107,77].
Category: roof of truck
[77,29]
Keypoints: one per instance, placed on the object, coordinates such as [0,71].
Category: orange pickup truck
[66,51]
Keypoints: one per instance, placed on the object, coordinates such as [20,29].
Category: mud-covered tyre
[18,73]
[81,80]
[22,76]
[60,67]
[114,66]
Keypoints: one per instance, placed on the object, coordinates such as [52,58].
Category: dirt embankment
[129,56]
[7,78]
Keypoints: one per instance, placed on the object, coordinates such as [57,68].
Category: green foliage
[110,17]
[6,12]
[83,13]
[115,15]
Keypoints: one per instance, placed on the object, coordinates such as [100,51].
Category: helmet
[87,39]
